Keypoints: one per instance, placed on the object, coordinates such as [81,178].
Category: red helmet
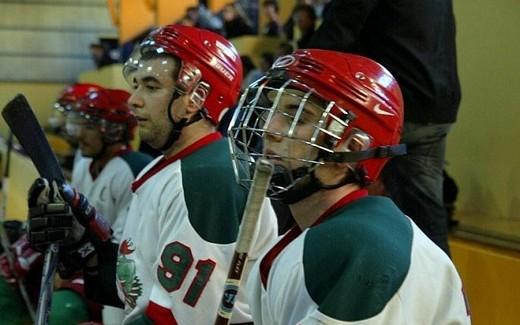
[361,109]
[72,94]
[109,108]
[362,87]
[210,64]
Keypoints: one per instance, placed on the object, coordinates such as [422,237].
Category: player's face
[154,86]
[90,138]
[293,150]
[72,128]
[57,119]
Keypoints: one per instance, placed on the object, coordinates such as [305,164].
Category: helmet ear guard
[188,78]
[357,147]
[199,94]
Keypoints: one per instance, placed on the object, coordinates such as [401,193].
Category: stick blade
[23,123]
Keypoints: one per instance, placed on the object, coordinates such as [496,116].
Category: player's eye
[134,84]
[151,87]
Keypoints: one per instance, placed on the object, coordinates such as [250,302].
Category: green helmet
[68,307]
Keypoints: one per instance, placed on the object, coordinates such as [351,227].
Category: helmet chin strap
[307,182]
[177,127]
[307,185]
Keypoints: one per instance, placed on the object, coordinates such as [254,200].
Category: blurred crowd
[235,19]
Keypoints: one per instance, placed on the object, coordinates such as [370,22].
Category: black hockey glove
[60,214]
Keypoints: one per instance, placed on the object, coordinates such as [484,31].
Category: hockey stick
[22,122]
[3,234]
[255,199]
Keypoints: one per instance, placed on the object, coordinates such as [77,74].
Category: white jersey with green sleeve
[363,263]
[180,237]
[110,192]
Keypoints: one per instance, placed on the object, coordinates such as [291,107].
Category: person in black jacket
[415,40]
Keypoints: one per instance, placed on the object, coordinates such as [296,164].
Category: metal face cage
[290,111]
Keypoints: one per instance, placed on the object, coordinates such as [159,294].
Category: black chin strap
[309,184]
[177,127]
[375,152]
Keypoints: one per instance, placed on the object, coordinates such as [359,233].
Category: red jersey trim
[349,198]
[159,314]
[295,231]
[268,259]
[162,163]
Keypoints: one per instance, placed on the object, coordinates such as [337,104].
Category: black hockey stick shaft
[255,199]
[23,123]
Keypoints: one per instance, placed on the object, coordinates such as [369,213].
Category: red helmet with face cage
[362,87]
[359,121]
[110,109]
[210,65]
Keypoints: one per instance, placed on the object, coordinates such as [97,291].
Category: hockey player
[329,122]
[104,126]
[28,262]
[61,121]
[180,234]
[65,103]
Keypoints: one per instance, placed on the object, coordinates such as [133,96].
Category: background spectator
[305,21]
[235,23]
[273,26]
[415,40]
[105,52]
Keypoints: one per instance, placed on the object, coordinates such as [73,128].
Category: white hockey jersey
[180,237]
[363,262]
[110,192]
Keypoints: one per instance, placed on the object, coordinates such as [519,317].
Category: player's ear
[356,141]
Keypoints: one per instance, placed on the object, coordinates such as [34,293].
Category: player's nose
[274,128]
[135,101]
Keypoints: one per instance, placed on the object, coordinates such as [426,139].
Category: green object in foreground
[12,307]
[68,307]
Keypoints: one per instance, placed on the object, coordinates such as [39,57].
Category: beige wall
[484,146]
[109,76]
[48,40]
[41,96]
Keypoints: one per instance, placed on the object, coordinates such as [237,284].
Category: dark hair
[273,3]
[285,48]
[308,9]
[268,57]
[247,63]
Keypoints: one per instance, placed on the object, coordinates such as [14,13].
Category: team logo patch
[284,61]
[127,280]
[380,111]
